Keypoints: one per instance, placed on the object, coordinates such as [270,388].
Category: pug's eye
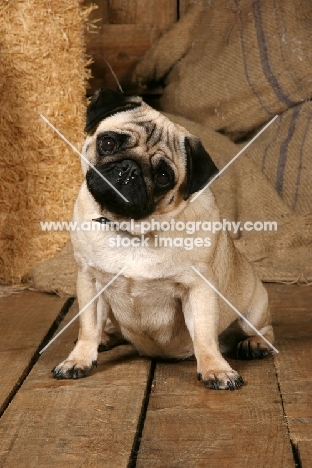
[162,178]
[107,145]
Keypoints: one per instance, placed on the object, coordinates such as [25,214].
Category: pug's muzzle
[126,175]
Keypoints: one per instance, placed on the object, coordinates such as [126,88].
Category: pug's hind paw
[72,369]
[218,380]
[253,348]
[111,342]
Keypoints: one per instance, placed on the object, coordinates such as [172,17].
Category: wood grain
[149,12]
[121,46]
[183,6]
[289,297]
[100,12]
[190,426]
[75,423]
[25,319]
[305,453]
[292,312]
[127,29]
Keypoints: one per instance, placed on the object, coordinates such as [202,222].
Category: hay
[43,70]
[11,290]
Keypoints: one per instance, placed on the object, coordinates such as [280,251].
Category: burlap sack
[283,154]
[58,274]
[243,194]
[233,65]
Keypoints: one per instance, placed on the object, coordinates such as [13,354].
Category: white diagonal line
[235,310]
[82,156]
[232,160]
[83,309]
[114,74]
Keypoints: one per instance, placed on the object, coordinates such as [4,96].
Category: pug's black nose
[128,171]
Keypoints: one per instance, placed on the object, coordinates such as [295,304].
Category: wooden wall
[125,30]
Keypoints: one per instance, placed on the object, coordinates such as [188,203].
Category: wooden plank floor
[132,412]
[87,422]
[292,312]
[25,320]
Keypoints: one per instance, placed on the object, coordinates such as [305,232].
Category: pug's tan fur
[159,303]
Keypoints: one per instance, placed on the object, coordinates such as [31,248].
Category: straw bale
[43,71]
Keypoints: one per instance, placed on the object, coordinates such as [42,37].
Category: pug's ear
[200,168]
[105,103]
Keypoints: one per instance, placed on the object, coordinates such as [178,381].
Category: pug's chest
[141,261]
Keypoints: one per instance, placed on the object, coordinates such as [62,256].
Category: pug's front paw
[221,380]
[79,363]
[73,369]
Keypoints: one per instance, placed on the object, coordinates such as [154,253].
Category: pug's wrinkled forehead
[136,124]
